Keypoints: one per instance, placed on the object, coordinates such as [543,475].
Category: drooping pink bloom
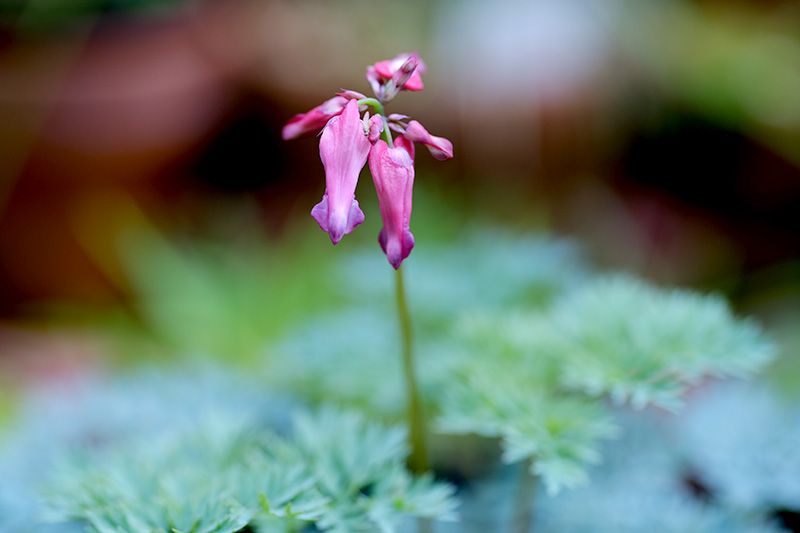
[343,149]
[393,174]
[315,119]
[385,70]
[439,147]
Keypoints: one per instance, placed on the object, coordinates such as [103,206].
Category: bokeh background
[140,157]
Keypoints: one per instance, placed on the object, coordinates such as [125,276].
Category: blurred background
[663,135]
[149,209]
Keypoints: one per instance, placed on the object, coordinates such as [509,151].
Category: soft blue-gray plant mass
[527,362]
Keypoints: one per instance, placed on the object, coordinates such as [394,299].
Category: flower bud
[375,128]
[403,72]
[402,75]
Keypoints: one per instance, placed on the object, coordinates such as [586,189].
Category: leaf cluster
[533,378]
[339,472]
[526,357]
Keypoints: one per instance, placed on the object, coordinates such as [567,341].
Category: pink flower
[393,174]
[315,119]
[439,147]
[385,70]
[343,149]
[348,141]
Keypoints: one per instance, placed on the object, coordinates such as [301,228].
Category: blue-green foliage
[513,394]
[197,451]
[490,270]
[360,467]
[517,340]
[339,471]
[535,374]
[104,413]
[349,355]
[744,442]
[171,459]
[178,481]
[643,484]
[641,345]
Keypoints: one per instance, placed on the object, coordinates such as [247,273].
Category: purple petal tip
[396,249]
[337,226]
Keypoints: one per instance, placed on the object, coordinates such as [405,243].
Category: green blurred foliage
[339,471]
[214,300]
[733,63]
[36,16]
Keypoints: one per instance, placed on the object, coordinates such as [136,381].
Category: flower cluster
[350,139]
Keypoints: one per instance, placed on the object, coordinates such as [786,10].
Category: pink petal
[439,147]
[344,149]
[401,141]
[393,174]
[314,120]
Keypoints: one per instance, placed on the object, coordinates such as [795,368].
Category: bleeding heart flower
[347,141]
[343,149]
[393,174]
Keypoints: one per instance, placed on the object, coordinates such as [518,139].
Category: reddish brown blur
[559,111]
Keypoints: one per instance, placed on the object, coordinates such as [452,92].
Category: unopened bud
[375,128]
[403,74]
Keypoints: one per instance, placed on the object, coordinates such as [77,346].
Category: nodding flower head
[343,149]
[347,141]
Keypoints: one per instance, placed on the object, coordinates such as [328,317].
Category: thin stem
[524,500]
[418,461]
[387,134]
[376,106]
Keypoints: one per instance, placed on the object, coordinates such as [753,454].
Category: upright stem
[524,500]
[387,133]
[418,461]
